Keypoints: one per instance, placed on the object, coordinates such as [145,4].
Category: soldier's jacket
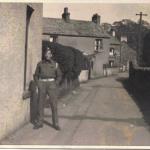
[47,69]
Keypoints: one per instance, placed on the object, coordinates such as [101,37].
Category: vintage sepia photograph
[75,75]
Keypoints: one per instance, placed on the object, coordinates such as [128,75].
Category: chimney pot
[66,15]
[66,10]
[96,18]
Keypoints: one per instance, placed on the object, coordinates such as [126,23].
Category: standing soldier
[45,79]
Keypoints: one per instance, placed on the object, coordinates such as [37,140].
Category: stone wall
[14,111]
[139,77]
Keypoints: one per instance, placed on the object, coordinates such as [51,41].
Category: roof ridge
[70,19]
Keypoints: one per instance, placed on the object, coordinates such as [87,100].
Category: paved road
[100,112]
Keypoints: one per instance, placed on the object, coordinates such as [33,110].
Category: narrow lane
[100,112]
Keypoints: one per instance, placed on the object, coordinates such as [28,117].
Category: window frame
[54,38]
[112,50]
[98,45]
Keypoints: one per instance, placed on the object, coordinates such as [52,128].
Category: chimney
[66,15]
[113,33]
[96,19]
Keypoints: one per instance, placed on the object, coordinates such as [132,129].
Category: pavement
[99,112]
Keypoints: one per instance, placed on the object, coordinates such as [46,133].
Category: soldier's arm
[37,72]
[58,74]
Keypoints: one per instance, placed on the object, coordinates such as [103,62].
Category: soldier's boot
[56,126]
[38,122]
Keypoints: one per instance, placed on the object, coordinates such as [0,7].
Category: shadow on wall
[141,96]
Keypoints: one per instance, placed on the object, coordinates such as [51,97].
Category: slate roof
[114,41]
[73,28]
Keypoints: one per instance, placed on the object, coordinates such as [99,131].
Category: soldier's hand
[36,89]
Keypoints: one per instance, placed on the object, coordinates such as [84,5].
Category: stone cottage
[87,36]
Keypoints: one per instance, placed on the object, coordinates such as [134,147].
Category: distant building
[119,51]
[87,36]
[21,37]
[114,52]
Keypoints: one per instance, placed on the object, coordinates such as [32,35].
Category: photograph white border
[61,147]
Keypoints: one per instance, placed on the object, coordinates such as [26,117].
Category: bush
[70,60]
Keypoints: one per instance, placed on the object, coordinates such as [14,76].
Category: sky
[109,12]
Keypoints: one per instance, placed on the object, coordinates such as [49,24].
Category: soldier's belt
[48,79]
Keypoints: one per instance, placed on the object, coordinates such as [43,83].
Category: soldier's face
[48,55]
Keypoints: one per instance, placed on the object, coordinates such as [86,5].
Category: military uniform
[45,78]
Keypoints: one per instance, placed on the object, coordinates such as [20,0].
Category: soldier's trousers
[44,89]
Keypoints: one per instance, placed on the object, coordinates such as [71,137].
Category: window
[111,52]
[111,63]
[98,45]
[53,39]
